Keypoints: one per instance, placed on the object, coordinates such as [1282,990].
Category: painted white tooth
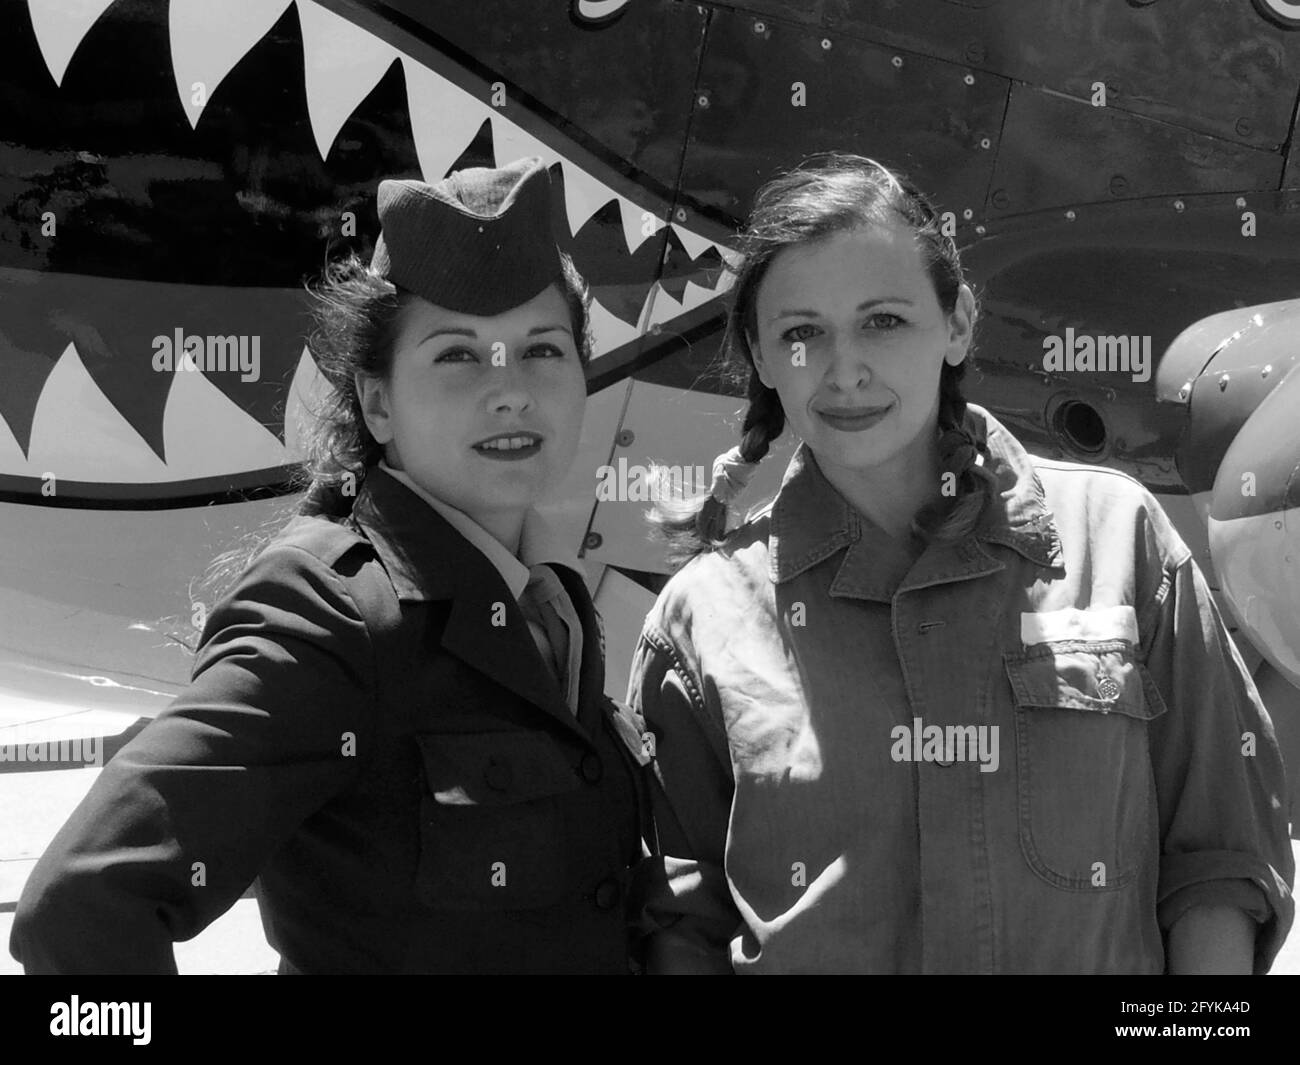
[511,142]
[693,295]
[342,63]
[663,307]
[732,257]
[78,435]
[208,39]
[584,195]
[60,26]
[206,435]
[725,280]
[635,223]
[608,331]
[444,119]
[308,392]
[694,244]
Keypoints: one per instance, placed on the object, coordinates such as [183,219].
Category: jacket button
[591,768]
[608,892]
[498,776]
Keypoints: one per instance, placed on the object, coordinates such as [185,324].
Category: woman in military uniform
[396,720]
[942,706]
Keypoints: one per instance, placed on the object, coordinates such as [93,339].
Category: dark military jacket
[371,733]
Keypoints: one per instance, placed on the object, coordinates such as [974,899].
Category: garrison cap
[477,242]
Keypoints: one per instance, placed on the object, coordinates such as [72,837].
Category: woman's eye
[884,320]
[456,355]
[546,351]
[802,331]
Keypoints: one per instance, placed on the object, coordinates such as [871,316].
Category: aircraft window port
[1080,427]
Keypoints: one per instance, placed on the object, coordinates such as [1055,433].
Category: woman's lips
[854,419]
[510,447]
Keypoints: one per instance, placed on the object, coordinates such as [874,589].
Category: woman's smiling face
[465,392]
[863,390]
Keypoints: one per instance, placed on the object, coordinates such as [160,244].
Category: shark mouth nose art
[87,402]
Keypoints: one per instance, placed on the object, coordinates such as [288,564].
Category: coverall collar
[811,521]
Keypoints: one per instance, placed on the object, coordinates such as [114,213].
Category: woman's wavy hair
[357,317]
[828,194]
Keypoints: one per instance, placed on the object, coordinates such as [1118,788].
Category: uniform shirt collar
[811,520]
[538,540]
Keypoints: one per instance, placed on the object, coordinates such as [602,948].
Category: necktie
[554,627]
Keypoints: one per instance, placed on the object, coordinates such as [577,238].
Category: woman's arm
[180,822]
[1226,861]
[1212,939]
[683,898]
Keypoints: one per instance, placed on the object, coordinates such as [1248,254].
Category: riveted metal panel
[769,96]
[626,85]
[1058,152]
[1218,67]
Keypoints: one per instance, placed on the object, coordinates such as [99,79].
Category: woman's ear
[372,392]
[961,325]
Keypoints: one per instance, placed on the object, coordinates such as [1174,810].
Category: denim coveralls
[1104,761]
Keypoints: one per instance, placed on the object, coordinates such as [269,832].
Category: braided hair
[827,194]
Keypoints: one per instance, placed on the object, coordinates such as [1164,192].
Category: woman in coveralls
[941,706]
[396,719]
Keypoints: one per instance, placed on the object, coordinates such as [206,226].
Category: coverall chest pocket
[1083,767]
[492,832]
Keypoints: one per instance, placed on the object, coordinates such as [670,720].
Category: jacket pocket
[1083,766]
[492,834]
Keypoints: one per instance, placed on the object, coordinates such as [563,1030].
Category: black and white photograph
[647,487]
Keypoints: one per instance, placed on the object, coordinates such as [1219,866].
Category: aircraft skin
[1123,179]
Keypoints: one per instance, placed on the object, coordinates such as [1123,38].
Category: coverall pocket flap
[1103,677]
